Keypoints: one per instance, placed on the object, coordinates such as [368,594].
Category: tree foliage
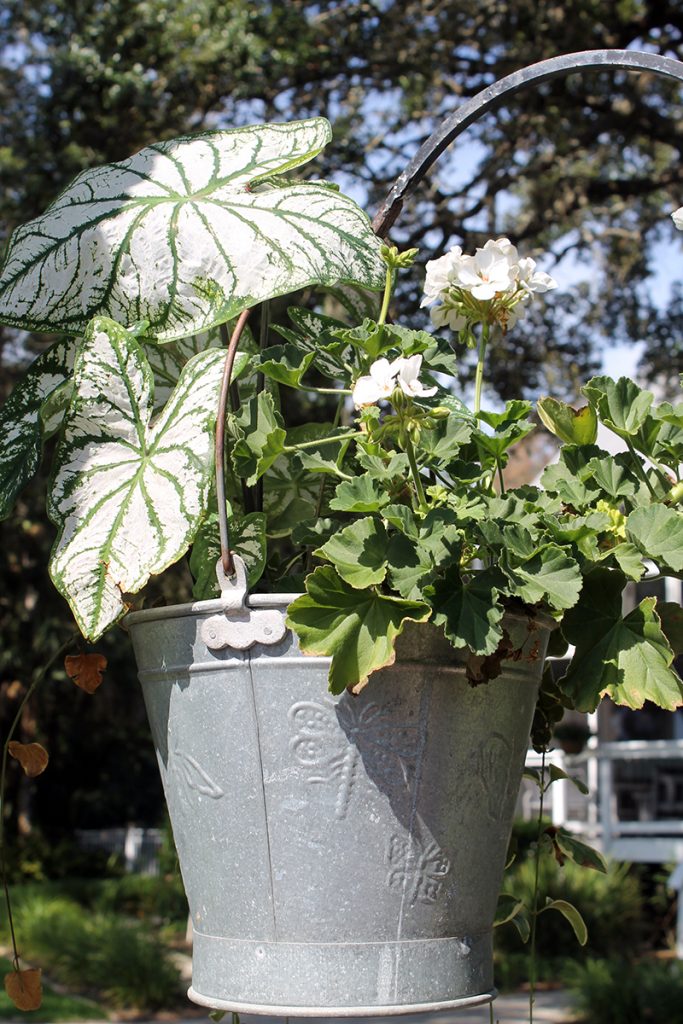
[588,164]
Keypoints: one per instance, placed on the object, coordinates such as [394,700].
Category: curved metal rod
[223,528]
[495,95]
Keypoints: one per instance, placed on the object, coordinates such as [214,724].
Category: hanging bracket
[238,625]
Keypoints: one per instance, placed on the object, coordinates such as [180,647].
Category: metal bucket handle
[488,99]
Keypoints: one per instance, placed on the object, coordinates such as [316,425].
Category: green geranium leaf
[410,566]
[357,628]
[671,616]
[622,405]
[247,539]
[556,774]
[403,518]
[23,420]
[573,426]
[569,911]
[127,495]
[261,437]
[469,610]
[328,458]
[549,575]
[629,658]
[363,494]
[358,552]
[383,469]
[187,234]
[658,532]
[614,476]
[628,558]
[497,444]
[286,364]
[514,411]
[443,442]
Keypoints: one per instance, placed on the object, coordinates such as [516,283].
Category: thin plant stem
[479,376]
[639,469]
[501,478]
[386,298]
[417,480]
[534,901]
[291,448]
[37,679]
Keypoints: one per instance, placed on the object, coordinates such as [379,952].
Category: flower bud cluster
[492,286]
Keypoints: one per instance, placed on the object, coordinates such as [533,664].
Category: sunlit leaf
[186,234]
[658,532]
[127,495]
[573,426]
[358,552]
[356,627]
[572,915]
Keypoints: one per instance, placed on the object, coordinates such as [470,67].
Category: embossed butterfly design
[417,868]
[331,739]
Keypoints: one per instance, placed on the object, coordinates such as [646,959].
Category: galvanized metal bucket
[341,856]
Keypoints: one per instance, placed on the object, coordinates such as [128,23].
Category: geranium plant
[395,511]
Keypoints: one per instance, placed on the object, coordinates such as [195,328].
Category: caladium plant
[390,504]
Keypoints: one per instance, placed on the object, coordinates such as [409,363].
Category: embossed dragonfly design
[330,740]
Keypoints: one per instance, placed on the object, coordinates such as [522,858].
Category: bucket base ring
[340,1011]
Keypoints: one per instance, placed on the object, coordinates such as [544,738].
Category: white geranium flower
[676,216]
[441,274]
[448,316]
[533,280]
[379,383]
[407,379]
[491,270]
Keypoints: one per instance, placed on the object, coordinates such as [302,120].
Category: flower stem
[639,469]
[479,377]
[534,905]
[417,480]
[388,288]
[291,448]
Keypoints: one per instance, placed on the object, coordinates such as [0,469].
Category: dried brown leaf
[32,757]
[85,670]
[24,988]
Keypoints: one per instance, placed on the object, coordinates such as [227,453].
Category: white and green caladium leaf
[127,494]
[186,234]
[356,627]
[22,420]
[168,361]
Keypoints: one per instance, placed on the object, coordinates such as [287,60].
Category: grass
[56,1007]
[121,958]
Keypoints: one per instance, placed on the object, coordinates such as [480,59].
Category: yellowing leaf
[85,670]
[32,757]
[24,988]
